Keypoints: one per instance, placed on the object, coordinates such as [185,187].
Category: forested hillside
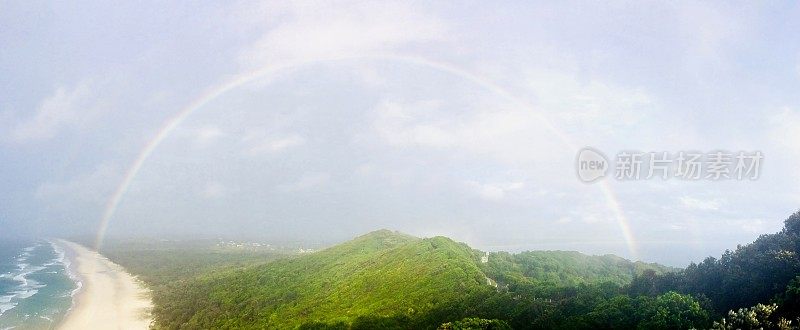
[161,265]
[373,278]
[389,280]
[565,268]
[766,271]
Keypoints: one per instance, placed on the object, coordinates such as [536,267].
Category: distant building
[302,250]
[485,258]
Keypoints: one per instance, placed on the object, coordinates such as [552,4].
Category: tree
[672,310]
[616,313]
[792,224]
[789,300]
[757,317]
[474,323]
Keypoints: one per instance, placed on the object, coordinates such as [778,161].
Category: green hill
[379,274]
[565,268]
[389,280]
[376,280]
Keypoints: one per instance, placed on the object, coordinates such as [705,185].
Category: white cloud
[563,220]
[213,190]
[92,188]
[784,134]
[259,142]
[784,129]
[709,28]
[509,135]
[588,109]
[201,137]
[305,182]
[324,30]
[676,227]
[208,134]
[753,225]
[365,169]
[400,125]
[590,218]
[797,66]
[692,203]
[493,191]
[57,111]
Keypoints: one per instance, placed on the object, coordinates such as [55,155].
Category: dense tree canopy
[389,280]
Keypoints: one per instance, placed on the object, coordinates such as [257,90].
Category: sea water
[35,285]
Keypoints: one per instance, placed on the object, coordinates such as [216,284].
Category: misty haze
[399,165]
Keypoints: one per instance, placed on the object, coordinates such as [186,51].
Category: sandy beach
[109,297]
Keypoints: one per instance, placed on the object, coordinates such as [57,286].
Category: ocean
[35,285]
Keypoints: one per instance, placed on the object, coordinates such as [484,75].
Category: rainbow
[242,79]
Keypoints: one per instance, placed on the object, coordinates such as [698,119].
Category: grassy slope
[381,273]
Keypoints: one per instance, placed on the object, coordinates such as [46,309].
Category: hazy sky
[430,119]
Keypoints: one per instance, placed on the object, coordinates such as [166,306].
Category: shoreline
[106,297]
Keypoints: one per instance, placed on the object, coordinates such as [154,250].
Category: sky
[321,121]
